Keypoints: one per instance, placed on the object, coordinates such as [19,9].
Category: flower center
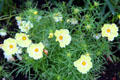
[26,28]
[36,50]
[24,38]
[11,46]
[61,37]
[83,63]
[108,30]
[56,14]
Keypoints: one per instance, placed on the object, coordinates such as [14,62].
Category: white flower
[22,39]
[63,37]
[3,32]
[10,46]
[9,57]
[25,26]
[36,51]
[57,17]
[110,31]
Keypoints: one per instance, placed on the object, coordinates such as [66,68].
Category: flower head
[57,17]
[22,39]
[9,46]
[110,31]
[3,32]
[24,26]
[63,37]
[83,64]
[35,51]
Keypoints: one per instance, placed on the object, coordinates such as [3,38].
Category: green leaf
[110,7]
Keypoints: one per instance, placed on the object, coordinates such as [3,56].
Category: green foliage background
[58,65]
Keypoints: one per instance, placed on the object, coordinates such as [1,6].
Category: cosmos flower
[9,47]
[57,17]
[110,31]
[36,51]
[22,39]
[83,64]
[63,37]
[25,26]
[3,32]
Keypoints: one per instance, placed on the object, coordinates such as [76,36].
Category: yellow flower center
[61,37]
[26,27]
[35,12]
[36,49]
[108,30]
[56,14]
[11,46]
[83,63]
[24,38]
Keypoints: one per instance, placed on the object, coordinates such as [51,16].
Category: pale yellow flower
[9,46]
[57,17]
[110,31]
[63,37]
[22,39]
[36,51]
[25,26]
[83,64]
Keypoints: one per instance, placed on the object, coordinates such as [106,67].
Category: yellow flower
[51,35]
[9,46]
[110,31]
[119,16]
[57,17]
[35,12]
[63,37]
[83,64]
[22,40]
[35,51]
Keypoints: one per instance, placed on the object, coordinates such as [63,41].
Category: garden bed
[81,25]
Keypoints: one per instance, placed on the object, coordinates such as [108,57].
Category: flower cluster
[24,26]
